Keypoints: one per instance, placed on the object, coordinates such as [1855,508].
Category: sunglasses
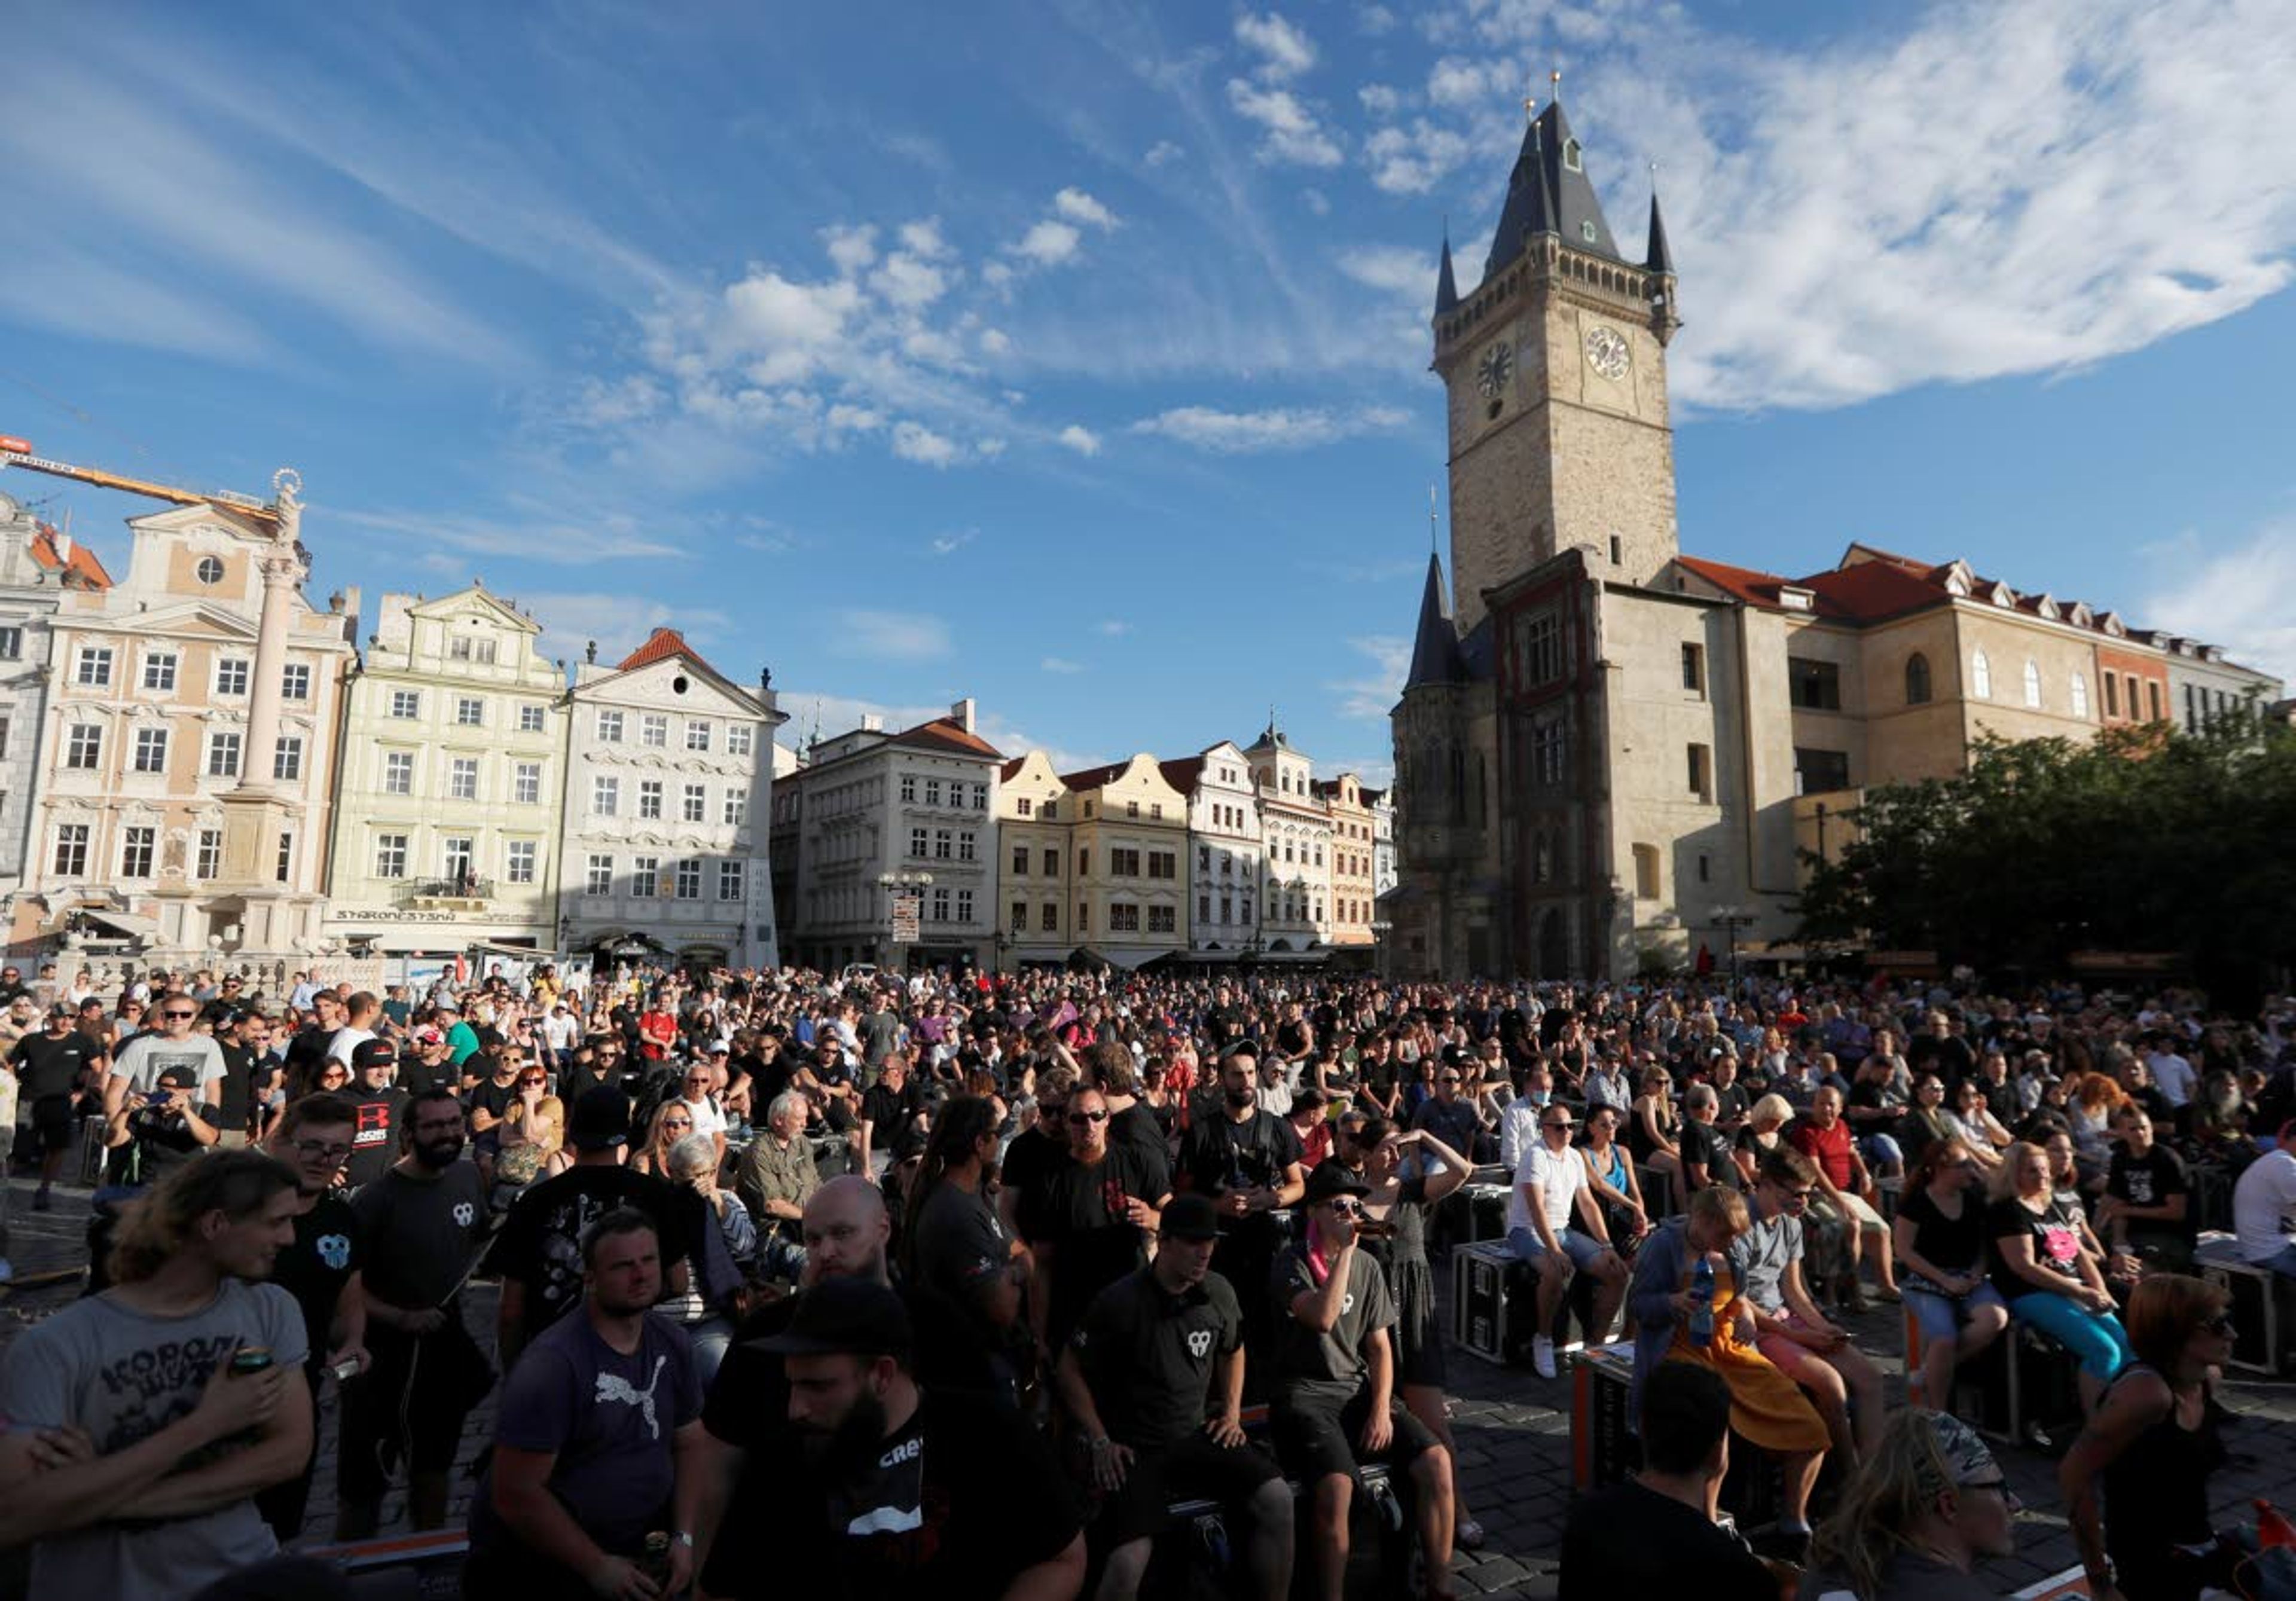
[179,1016]
[1563,1123]
[677,1122]
[1087,1117]
[1345,1207]
[1799,1198]
[534,1079]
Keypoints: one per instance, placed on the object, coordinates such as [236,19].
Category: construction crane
[285,485]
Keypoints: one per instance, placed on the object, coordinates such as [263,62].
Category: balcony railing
[466,886]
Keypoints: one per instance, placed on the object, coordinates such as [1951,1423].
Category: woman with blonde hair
[1926,1503]
[2047,1275]
[533,1142]
[1761,1135]
[672,1122]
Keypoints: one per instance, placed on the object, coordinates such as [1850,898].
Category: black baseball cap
[844,1316]
[1190,1217]
[600,1120]
[373,1053]
[1329,1180]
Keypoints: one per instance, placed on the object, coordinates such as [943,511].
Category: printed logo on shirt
[614,1387]
[1200,1343]
[334,1250]
[1347,1303]
[465,1214]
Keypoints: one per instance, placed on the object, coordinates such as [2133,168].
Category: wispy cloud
[1080,439]
[949,544]
[892,635]
[1373,694]
[1060,664]
[618,622]
[1235,433]
[2236,597]
[532,533]
[1114,627]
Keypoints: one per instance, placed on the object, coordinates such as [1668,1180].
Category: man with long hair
[957,1246]
[136,1445]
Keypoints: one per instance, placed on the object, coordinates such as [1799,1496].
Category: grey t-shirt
[123,1376]
[142,1059]
[1328,1368]
[1758,1259]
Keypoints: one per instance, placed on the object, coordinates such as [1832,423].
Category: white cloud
[782,330]
[1379,100]
[1374,694]
[1316,200]
[619,622]
[851,247]
[1115,627]
[854,419]
[892,635]
[910,281]
[531,532]
[1162,153]
[1284,52]
[994,341]
[1061,664]
[1375,19]
[1078,207]
[914,442]
[1391,267]
[1050,243]
[1978,191]
[1474,84]
[2238,598]
[948,544]
[1234,433]
[1411,160]
[1291,135]
[923,238]
[1080,439]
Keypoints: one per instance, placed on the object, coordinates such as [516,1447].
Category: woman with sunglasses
[1940,1243]
[2047,1275]
[1652,1133]
[1612,1177]
[2151,1446]
[672,1122]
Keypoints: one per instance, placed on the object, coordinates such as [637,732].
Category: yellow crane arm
[16,453]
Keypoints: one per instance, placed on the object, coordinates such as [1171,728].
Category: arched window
[2080,697]
[1980,677]
[1917,679]
[2032,682]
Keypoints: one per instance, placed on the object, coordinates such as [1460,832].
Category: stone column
[282,571]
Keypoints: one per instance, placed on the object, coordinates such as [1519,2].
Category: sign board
[908,911]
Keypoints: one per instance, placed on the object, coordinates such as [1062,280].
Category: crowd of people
[970,1281]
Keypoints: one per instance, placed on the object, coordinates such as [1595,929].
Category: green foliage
[2145,840]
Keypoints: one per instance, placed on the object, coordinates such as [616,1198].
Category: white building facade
[33,574]
[1296,839]
[1225,848]
[667,798]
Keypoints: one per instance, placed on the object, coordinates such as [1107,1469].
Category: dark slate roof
[1548,196]
[1447,286]
[1479,653]
[1657,257]
[1435,649]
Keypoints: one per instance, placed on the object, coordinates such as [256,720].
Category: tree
[2145,840]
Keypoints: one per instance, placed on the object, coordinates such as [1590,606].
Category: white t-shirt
[1559,1179]
[561,1032]
[347,1039]
[2263,1203]
[707,1118]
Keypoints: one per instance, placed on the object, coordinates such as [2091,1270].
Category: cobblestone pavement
[1513,1429]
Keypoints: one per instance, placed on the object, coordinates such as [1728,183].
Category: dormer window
[1570,158]
[1794,599]
[1587,232]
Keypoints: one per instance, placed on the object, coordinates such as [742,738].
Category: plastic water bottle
[1702,1302]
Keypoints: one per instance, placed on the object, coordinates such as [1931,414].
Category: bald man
[748,1442]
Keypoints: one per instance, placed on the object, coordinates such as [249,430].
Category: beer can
[250,1359]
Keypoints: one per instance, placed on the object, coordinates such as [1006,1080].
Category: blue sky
[1072,354]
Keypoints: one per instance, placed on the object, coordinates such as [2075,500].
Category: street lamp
[1730,919]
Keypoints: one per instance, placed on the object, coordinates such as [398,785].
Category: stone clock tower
[1555,369]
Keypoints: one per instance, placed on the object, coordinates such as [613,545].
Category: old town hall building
[1608,754]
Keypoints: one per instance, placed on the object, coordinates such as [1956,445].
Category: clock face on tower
[1497,366]
[1607,352]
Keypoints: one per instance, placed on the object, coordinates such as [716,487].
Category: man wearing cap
[538,1253]
[598,1434]
[381,1107]
[1334,1402]
[426,1064]
[927,1493]
[1154,1378]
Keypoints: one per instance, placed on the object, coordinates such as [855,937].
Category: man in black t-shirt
[380,1109]
[1247,1159]
[539,1251]
[1705,1148]
[1643,1537]
[1087,1222]
[321,1270]
[249,1071]
[52,1068]
[309,1047]
[1154,1377]
[2147,1208]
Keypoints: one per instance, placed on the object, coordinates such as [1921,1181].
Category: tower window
[1617,550]
[1571,158]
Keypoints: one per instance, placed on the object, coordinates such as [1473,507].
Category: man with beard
[599,1432]
[148,1450]
[916,1491]
[422,1221]
[1247,1159]
[321,1270]
[1154,1377]
[539,1253]
[747,1415]
[1088,1223]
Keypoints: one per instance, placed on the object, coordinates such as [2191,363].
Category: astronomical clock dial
[1498,368]
[1607,352]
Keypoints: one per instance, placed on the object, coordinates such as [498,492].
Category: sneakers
[1542,1355]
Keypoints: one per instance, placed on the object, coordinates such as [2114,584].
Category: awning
[504,947]
[125,923]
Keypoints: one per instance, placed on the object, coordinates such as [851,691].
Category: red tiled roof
[82,566]
[1011,769]
[1740,583]
[660,646]
[1092,778]
[1182,775]
[946,734]
[1870,591]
